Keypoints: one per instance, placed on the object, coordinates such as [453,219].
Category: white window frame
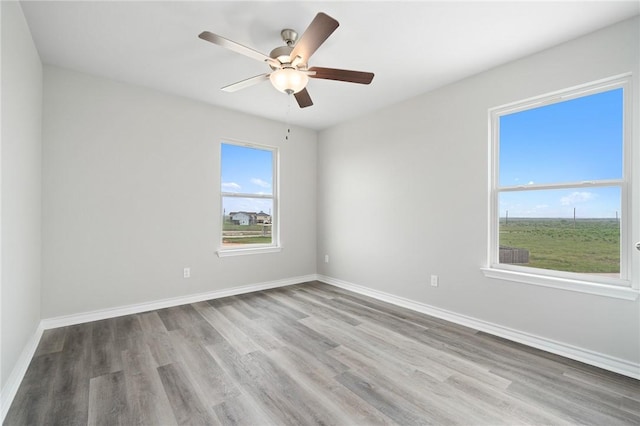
[623,287]
[274,247]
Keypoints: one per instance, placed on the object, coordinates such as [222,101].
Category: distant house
[249,218]
[243,218]
[263,217]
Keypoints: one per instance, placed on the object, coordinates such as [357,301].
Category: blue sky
[248,171]
[571,141]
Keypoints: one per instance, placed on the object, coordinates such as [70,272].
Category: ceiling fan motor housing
[282,54]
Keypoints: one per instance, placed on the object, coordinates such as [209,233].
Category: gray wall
[131,184]
[21,187]
[427,158]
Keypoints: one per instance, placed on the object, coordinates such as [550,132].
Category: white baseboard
[63,321]
[587,356]
[12,384]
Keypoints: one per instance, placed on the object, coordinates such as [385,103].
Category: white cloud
[576,198]
[260,182]
[231,187]
[530,182]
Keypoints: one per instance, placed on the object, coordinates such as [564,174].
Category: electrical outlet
[186,273]
[326,258]
[434,281]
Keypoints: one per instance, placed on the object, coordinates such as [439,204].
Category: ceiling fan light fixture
[289,80]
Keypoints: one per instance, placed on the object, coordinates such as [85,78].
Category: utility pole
[506,219]
[574,218]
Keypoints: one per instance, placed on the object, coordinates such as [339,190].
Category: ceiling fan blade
[316,33]
[342,75]
[303,98]
[246,83]
[236,47]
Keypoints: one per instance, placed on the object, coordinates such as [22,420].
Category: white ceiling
[412,47]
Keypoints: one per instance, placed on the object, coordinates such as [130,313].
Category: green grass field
[592,246]
[245,234]
[228,226]
[246,240]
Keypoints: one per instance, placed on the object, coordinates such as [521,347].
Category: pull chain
[287,123]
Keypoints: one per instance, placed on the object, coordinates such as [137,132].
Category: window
[249,198]
[559,187]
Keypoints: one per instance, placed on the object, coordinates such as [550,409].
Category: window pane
[571,141]
[538,229]
[246,221]
[246,170]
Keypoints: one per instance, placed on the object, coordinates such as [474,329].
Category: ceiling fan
[289,64]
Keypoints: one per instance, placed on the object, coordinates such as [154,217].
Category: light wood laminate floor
[306,354]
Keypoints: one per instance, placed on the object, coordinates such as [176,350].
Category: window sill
[606,290]
[247,251]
